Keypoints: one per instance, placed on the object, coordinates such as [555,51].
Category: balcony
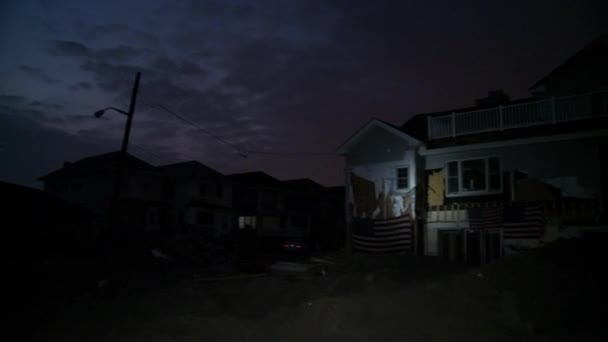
[542,112]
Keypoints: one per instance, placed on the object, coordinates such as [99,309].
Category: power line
[201,129]
[145,151]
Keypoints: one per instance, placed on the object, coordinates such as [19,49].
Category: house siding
[572,166]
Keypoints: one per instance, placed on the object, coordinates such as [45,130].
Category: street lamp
[129,114]
[99,113]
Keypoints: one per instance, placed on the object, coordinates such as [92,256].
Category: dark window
[473,175]
[453,178]
[204,218]
[494,173]
[402,178]
[202,189]
[219,190]
[77,187]
[299,221]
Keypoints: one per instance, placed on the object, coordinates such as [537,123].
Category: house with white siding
[480,181]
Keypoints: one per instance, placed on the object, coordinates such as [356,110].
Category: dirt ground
[553,294]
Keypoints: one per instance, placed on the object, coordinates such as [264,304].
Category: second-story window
[219,190]
[202,189]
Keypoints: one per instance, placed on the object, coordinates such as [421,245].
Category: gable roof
[304,184]
[188,166]
[597,50]
[253,178]
[94,164]
[376,123]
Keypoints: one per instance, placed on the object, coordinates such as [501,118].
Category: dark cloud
[11,100]
[120,53]
[120,31]
[81,86]
[69,49]
[114,78]
[31,149]
[46,105]
[37,73]
[182,67]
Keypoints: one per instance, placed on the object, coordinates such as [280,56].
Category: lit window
[249,222]
[402,178]
[473,176]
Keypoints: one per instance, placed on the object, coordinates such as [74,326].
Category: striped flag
[383,236]
[485,218]
[524,222]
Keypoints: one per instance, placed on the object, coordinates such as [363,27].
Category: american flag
[524,222]
[383,236]
[485,218]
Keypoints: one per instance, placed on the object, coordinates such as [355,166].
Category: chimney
[494,98]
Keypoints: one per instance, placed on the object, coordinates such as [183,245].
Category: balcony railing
[542,112]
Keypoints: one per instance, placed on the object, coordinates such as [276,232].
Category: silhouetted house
[200,199]
[90,182]
[503,173]
[37,222]
[271,209]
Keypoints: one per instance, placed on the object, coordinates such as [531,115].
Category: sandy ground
[549,295]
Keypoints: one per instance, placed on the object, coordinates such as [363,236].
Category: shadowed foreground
[552,294]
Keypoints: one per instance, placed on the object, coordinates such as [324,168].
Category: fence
[565,210]
[546,111]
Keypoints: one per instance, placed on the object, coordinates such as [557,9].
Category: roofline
[374,122]
[514,142]
[576,55]
[196,162]
[54,173]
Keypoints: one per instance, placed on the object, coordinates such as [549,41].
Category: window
[219,190]
[402,178]
[77,187]
[299,221]
[473,176]
[153,216]
[204,218]
[202,189]
[247,222]
[271,223]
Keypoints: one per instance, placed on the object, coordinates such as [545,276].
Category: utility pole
[125,139]
[122,157]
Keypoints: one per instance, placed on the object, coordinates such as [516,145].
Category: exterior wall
[438,220]
[383,175]
[189,189]
[375,156]
[572,166]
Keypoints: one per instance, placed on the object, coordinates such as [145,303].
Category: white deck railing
[542,112]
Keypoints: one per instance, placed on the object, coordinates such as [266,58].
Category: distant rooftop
[95,163]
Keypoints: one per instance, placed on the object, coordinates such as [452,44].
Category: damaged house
[474,183]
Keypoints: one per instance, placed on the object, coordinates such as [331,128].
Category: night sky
[272,76]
